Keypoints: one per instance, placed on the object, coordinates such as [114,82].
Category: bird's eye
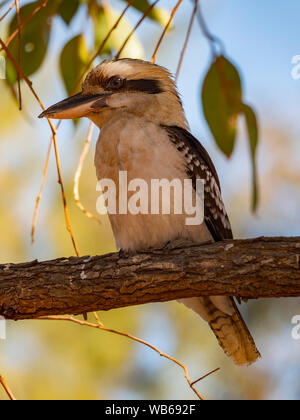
[115,83]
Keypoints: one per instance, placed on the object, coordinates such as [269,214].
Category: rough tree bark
[256,268]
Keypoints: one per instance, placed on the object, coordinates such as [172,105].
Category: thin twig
[7,12]
[213,40]
[7,389]
[187,38]
[29,83]
[40,192]
[78,175]
[19,51]
[165,30]
[148,11]
[98,319]
[206,376]
[35,11]
[131,337]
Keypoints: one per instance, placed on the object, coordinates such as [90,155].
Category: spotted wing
[200,166]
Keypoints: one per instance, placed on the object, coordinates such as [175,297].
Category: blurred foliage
[222,95]
[73,60]
[36,36]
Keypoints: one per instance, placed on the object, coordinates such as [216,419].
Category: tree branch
[254,268]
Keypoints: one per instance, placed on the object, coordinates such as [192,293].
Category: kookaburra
[145,133]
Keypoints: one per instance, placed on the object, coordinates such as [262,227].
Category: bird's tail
[228,326]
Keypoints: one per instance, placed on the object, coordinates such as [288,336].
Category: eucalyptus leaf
[73,60]
[222,102]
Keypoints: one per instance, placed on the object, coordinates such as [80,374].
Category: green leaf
[73,60]
[68,9]
[35,39]
[222,102]
[252,128]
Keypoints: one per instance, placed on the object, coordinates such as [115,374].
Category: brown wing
[200,166]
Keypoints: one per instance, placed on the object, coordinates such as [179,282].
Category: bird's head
[126,85]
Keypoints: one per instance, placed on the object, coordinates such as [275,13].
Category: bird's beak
[76,106]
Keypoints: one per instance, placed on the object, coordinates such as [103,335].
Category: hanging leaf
[35,39]
[222,102]
[252,129]
[68,9]
[73,60]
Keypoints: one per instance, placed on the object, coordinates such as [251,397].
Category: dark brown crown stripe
[151,86]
